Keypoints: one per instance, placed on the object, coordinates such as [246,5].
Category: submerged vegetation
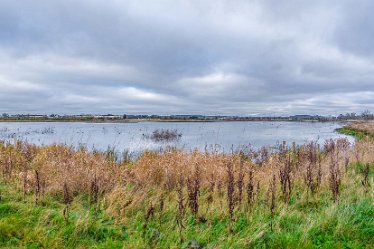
[307,196]
[164,135]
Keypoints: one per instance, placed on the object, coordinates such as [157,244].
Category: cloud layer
[223,57]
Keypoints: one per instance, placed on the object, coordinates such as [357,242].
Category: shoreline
[358,130]
[163,121]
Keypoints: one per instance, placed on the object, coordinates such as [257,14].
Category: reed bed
[248,192]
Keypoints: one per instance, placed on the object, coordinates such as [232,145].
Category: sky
[212,57]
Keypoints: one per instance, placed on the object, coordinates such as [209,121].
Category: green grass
[347,223]
[358,134]
[26,225]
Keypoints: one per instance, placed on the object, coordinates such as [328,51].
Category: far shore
[155,120]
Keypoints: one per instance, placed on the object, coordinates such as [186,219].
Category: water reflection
[131,137]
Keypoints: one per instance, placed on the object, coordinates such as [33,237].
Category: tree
[366,114]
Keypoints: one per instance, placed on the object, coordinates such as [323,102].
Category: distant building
[303,118]
[108,116]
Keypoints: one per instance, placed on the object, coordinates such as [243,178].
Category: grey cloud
[210,57]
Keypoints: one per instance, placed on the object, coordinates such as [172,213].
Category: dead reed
[181,206]
[148,215]
[67,200]
[365,176]
[230,192]
[37,186]
[285,177]
[313,173]
[272,191]
[240,181]
[193,191]
[94,192]
[250,192]
[332,150]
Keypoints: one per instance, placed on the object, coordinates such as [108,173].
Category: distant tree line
[365,115]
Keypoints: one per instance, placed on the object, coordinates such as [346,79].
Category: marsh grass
[174,199]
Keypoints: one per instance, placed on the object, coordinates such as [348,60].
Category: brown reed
[181,206]
[285,177]
[193,191]
[67,200]
[272,190]
[365,176]
[37,186]
[148,214]
[94,192]
[230,192]
[240,181]
[250,192]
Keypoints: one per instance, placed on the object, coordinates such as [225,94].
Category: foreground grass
[26,225]
[319,223]
[58,197]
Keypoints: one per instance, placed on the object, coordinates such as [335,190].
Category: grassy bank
[358,130]
[297,197]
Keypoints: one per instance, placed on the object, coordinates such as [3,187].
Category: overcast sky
[226,57]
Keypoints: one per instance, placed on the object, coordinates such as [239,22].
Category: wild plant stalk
[365,174]
[285,178]
[169,180]
[319,172]
[7,168]
[294,152]
[67,200]
[220,192]
[43,188]
[25,182]
[357,153]
[272,190]
[209,199]
[181,206]
[313,173]
[346,163]
[334,172]
[240,181]
[264,154]
[37,186]
[334,179]
[250,192]
[293,148]
[150,212]
[94,193]
[161,207]
[230,192]
[298,158]
[193,191]
[28,151]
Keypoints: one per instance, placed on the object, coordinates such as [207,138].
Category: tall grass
[178,199]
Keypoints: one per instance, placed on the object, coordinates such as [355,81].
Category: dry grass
[367,126]
[90,173]
[175,180]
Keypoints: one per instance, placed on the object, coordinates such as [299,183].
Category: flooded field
[135,137]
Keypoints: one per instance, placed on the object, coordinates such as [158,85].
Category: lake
[200,135]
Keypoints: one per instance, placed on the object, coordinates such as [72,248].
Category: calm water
[129,136]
